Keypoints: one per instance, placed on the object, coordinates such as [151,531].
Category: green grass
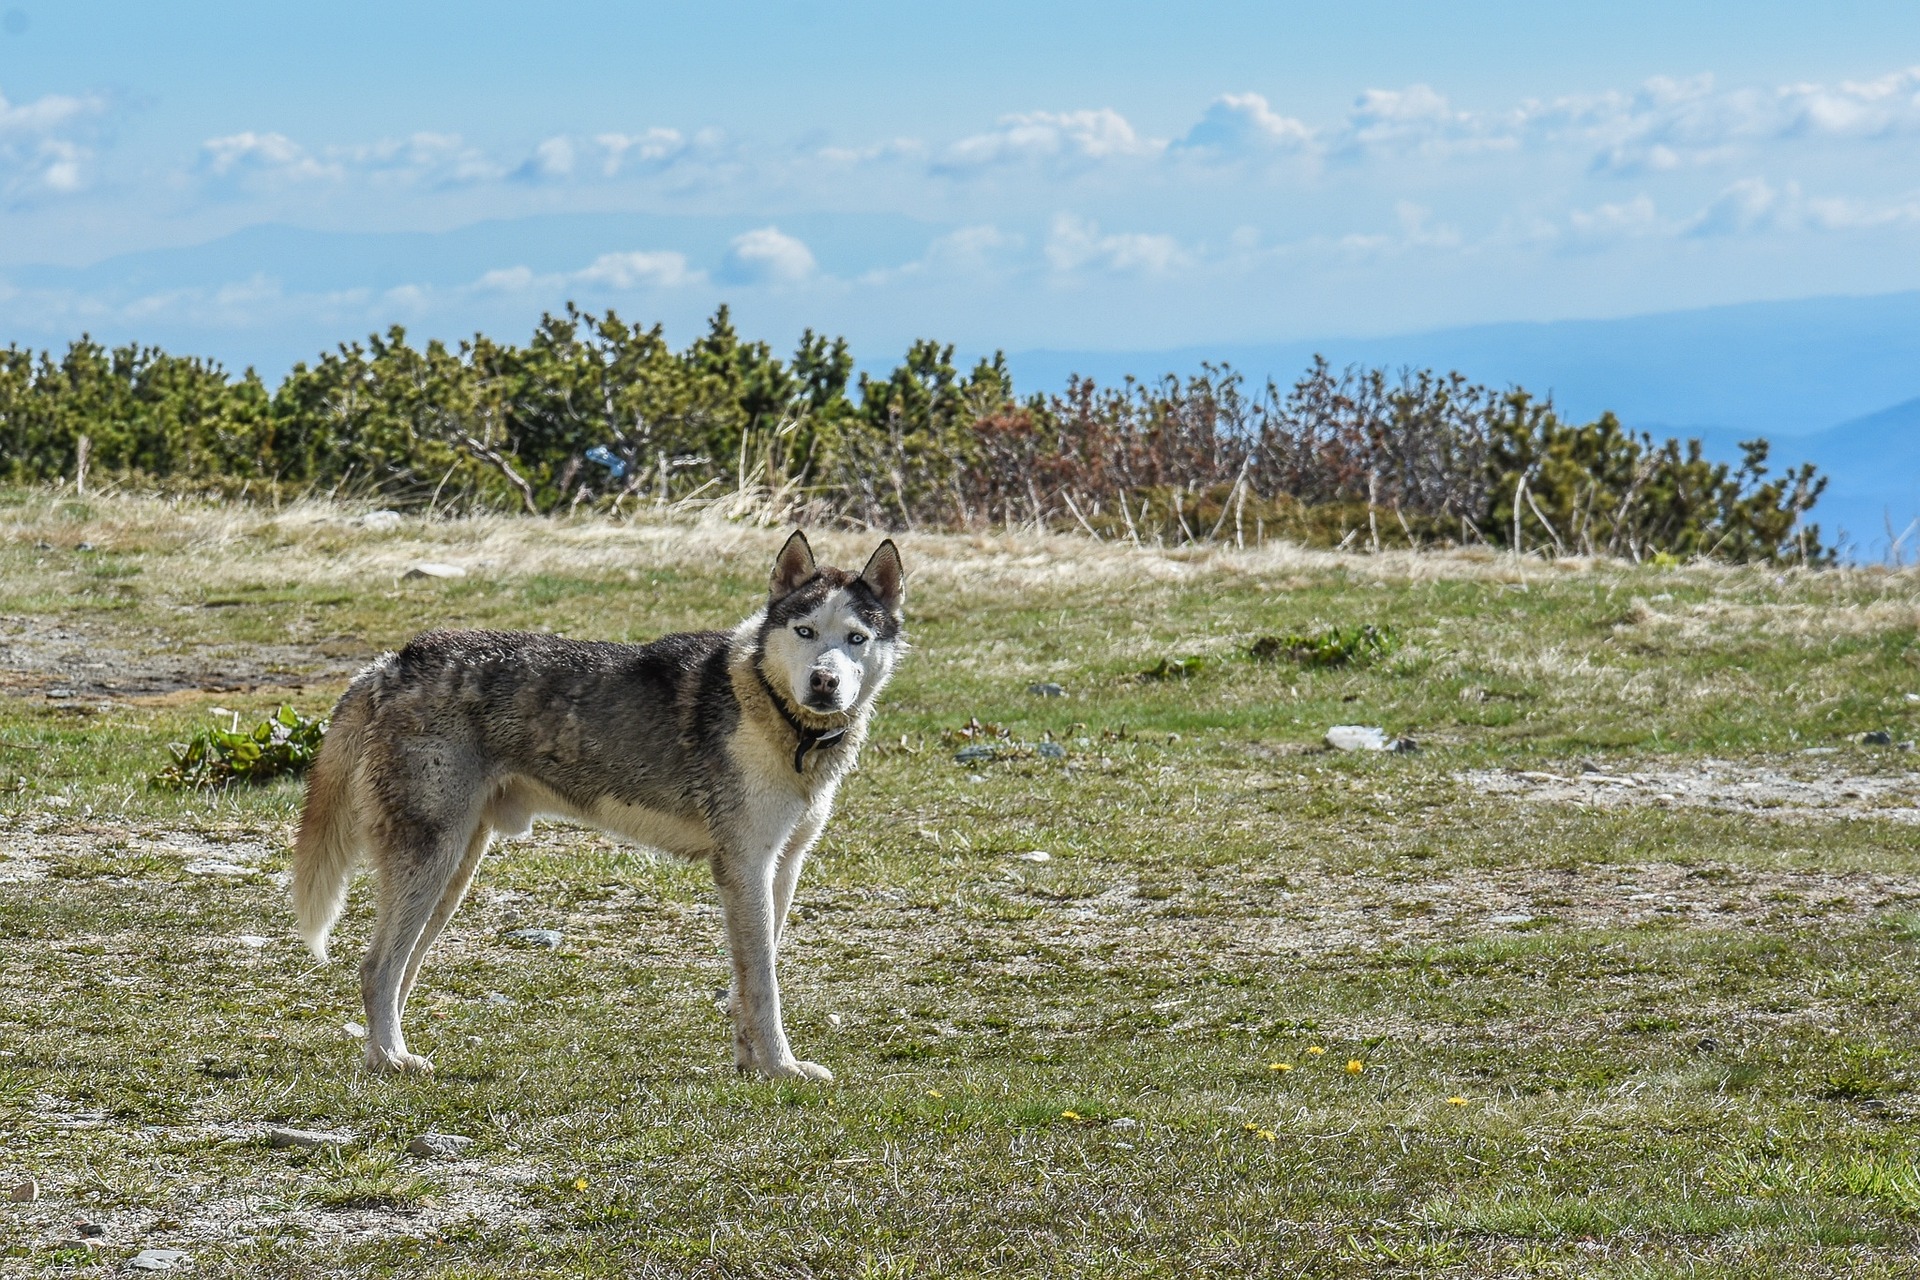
[1683,1033]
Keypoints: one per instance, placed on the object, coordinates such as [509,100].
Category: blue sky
[257,182]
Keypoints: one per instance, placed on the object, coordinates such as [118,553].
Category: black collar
[810,739]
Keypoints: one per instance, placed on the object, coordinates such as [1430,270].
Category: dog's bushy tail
[328,844]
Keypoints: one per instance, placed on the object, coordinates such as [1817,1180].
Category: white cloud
[639,269]
[1043,137]
[656,270]
[270,155]
[1077,243]
[768,256]
[1241,122]
[43,149]
[1748,205]
[654,147]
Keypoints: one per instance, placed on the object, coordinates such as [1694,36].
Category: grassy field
[1615,976]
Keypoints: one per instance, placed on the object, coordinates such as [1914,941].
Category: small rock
[977,752]
[252,940]
[1820,751]
[1906,745]
[834,1020]
[433,569]
[44,545]
[307,1139]
[215,867]
[549,939]
[1357,737]
[1518,917]
[25,1192]
[355,1031]
[1706,1044]
[156,1259]
[439,1146]
[1122,1122]
[499,998]
[1876,738]
[59,693]
[1047,690]
[91,1230]
[1912,697]
[1403,745]
[83,1244]
[382,519]
[84,546]
[1033,855]
[1051,751]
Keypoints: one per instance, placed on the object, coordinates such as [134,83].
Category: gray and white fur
[716,746]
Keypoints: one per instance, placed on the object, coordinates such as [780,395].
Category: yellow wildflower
[579,1184]
[1279,1066]
[1456,1101]
[1069,1115]
[1355,1066]
[935,1093]
[1315,1050]
[1250,1126]
[1267,1134]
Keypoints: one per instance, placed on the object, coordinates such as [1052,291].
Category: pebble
[1033,855]
[92,1230]
[1357,737]
[1518,917]
[1047,690]
[59,693]
[26,1192]
[1876,738]
[1051,751]
[156,1259]
[354,1031]
[439,1146]
[253,940]
[550,939]
[834,1020]
[434,569]
[307,1139]
[382,519]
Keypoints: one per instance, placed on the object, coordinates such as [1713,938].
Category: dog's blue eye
[854,637]
[805,633]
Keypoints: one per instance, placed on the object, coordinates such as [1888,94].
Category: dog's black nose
[824,682]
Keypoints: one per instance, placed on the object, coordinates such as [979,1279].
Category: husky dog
[717,746]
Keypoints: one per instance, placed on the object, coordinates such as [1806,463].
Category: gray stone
[434,569]
[1051,751]
[379,520]
[549,939]
[1357,737]
[1518,917]
[1876,738]
[156,1259]
[1047,690]
[439,1146]
[25,1192]
[307,1139]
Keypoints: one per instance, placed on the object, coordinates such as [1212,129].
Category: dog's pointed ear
[793,566]
[884,575]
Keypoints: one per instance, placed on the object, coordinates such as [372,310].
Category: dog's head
[829,638]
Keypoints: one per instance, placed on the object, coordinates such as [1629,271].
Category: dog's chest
[683,837]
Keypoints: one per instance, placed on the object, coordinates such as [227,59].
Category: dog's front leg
[747,894]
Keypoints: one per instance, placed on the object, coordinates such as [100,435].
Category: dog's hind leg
[450,899]
[415,879]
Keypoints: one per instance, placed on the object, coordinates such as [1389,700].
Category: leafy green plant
[285,742]
[1334,647]
[1175,668]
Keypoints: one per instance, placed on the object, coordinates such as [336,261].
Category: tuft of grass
[283,744]
[1337,646]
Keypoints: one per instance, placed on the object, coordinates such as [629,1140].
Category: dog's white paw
[794,1069]
[397,1062]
